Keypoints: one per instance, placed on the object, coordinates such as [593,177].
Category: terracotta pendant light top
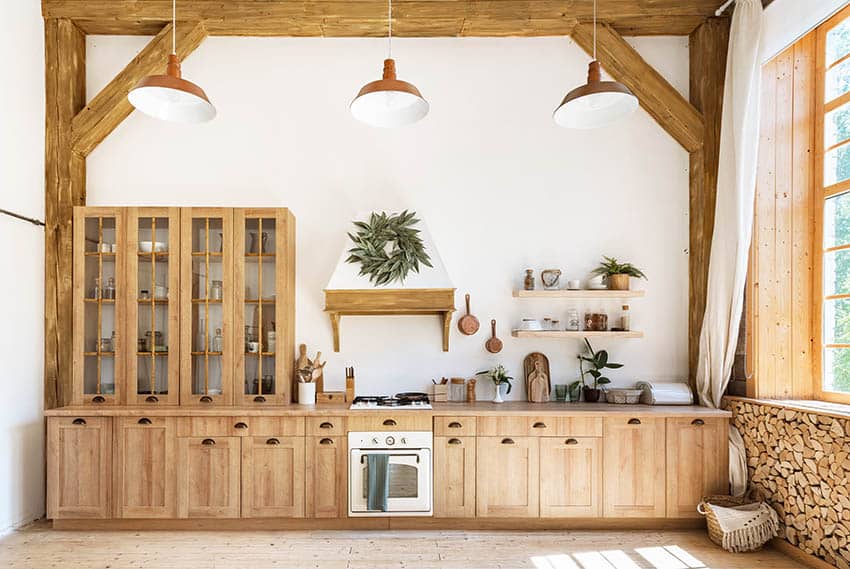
[169,97]
[597,103]
[389,102]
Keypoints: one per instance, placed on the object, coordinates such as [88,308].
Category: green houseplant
[499,376]
[597,361]
[617,273]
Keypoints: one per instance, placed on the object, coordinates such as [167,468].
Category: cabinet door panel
[145,475]
[208,477]
[570,477]
[454,477]
[327,477]
[79,467]
[507,476]
[697,463]
[634,467]
[273,477]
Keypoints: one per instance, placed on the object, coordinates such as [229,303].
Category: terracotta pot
[591,395]
[618,282]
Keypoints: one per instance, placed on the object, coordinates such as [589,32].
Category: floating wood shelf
[598,294]
[574,335]
[390,302]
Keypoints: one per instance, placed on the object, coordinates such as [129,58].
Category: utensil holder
[307,393]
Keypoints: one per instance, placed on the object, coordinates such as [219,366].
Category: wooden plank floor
[40,547]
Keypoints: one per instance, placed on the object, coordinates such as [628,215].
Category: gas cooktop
[401,401]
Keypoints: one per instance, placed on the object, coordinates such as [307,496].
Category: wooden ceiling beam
[660,99]
[109,107]
[411,18]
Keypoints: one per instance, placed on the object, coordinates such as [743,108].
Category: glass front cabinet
[188,306]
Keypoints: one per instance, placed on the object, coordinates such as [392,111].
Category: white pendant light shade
[169,97]
[389,102]
[596,104]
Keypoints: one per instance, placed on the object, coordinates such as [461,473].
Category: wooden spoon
[493,345]
[468,324]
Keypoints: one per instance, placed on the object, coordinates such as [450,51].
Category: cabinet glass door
[262,244]
[153,290]
[207,243]
[97,311]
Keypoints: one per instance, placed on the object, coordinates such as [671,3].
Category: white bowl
[530,325]
[153,246]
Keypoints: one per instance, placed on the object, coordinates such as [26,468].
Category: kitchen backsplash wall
[500,187]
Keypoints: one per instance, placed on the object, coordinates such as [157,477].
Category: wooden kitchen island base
[510,466]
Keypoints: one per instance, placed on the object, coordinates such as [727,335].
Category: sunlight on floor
[667,557]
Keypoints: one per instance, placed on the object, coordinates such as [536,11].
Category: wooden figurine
[538,382]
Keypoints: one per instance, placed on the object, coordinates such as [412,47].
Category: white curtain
[733,221]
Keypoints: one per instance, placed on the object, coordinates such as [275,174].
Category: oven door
[409,481]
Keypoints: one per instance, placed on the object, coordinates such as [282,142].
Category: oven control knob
[390,441]
[375,440]
[403,441]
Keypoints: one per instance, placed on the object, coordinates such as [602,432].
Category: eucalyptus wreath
[388,247]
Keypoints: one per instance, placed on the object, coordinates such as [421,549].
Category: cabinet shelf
[101,354]
[255,354]
[259,301]
[574,335]
[109,254]
[578,294]
[158,301]
[100,300]
[206,300]
[205,253]
[202,353]
[259,255]
[151,353]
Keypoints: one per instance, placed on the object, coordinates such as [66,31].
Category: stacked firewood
[800,463]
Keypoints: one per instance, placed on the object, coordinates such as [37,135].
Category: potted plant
[617,273]
[596,362]
[501,380]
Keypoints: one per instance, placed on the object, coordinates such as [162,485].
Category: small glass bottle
[109,289]
[218,341]
[625,319]
[528,284]
[95,290]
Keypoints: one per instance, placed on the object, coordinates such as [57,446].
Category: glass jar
[216,292]
[95,289]
[109,289]
[573,322]
[457,389]
[218,341]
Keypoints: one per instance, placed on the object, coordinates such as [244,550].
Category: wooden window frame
[822,193]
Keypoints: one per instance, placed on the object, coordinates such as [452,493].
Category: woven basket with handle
[715,532]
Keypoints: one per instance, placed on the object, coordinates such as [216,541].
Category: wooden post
[65,187]
[708,47]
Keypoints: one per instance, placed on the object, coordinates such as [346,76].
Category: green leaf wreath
[388,247]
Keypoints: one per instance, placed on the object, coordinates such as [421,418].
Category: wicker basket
[715,533]
[623,396]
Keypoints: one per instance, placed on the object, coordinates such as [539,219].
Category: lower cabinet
[208,473]
[507,477]
[634,470]
[454,477]
[697,463]
[570,477]
[273,477]
[145,481]
[79,467]
[326,477]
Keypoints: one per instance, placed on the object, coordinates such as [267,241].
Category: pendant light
[597,103]
[169,97]
[389,102]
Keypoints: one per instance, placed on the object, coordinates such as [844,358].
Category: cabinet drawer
[204,426]
[540,426]
[268,426]
[325,426]
[454,426]
[400,421]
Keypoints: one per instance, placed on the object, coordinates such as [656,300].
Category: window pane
[837,80]
[836,126]
[836,272]
[836,221]
[838,42]
[836,369]
[836,165]
[836,321]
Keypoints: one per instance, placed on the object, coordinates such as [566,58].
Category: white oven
[408,490]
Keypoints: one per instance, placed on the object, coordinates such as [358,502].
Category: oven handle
[416,456]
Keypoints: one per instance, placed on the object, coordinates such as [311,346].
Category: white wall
[500,186]
[22,285]
[785,21]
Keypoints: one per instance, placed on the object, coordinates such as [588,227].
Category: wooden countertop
[480,408]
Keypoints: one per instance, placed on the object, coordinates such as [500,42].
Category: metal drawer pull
[634,421]
[205,399]
[259,399]
[272,442]
[240,425]
[79,421]
[152,399]
[455,425]
[698,422]
[144,421]
[390,423]
[571,442]
[98,399]
[455,442]
[327,425]
[507,441]
[208,442]
[326,441]
[539,425]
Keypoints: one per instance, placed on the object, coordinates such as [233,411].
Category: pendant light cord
[390,27]
[594,30]
[174,27]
